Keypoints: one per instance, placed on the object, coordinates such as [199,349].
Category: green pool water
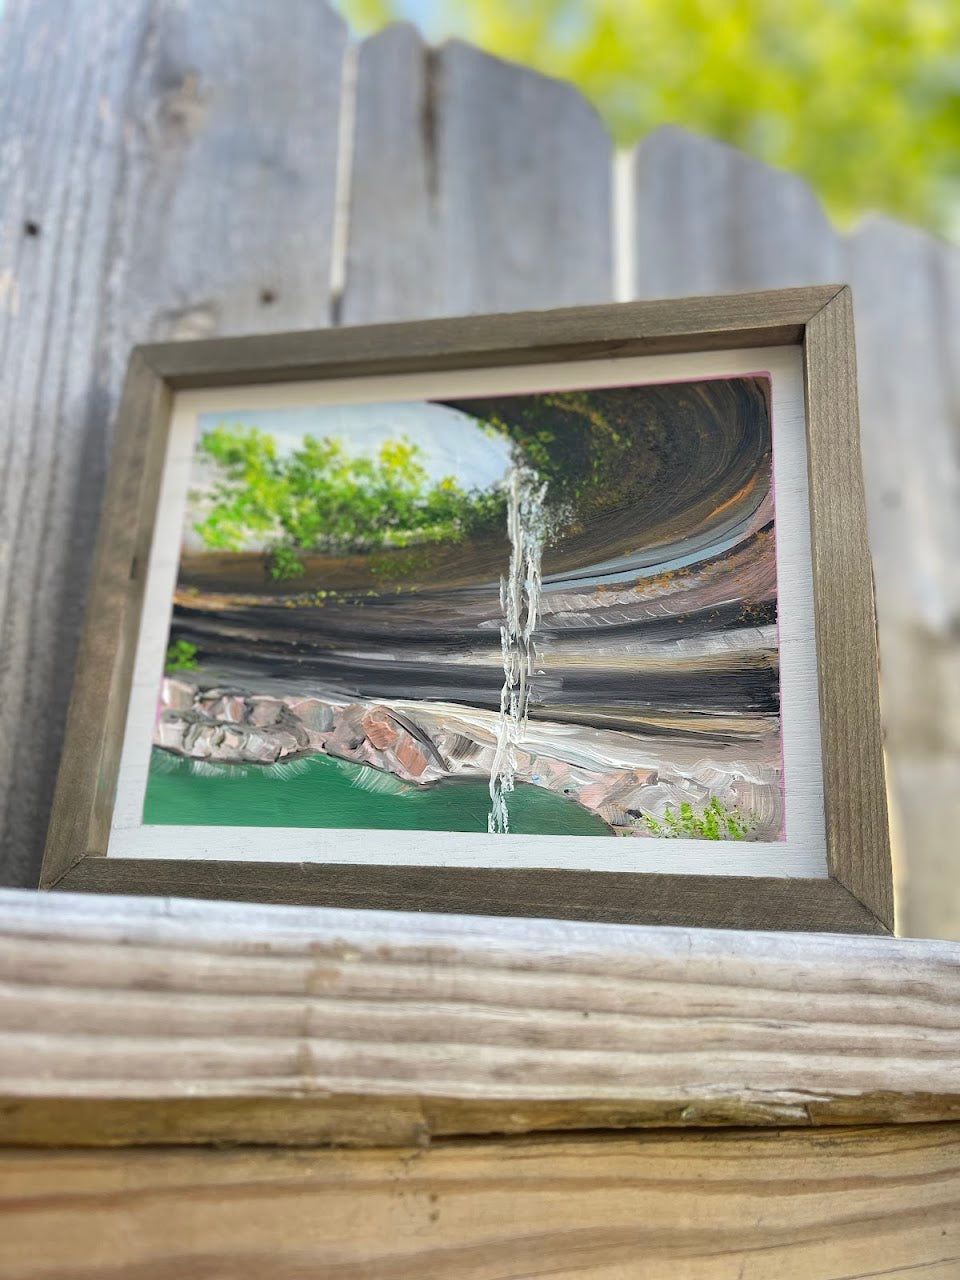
[319,791]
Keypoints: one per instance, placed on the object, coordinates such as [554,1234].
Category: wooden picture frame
[855,895]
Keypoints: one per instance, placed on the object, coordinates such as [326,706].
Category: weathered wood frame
[857,896]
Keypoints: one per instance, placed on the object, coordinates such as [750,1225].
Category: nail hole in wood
[267,296]
[31,228]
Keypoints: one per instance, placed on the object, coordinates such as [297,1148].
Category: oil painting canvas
[547,613]
[422,616]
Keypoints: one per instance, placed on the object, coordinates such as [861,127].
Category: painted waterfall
[550,613]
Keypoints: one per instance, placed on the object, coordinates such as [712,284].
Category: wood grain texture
[705,218]
[907,305]
[478,186]
[169,169]
[858,846]
[382,1028]
[858,842]
[710,219]
[164,175]
[86,783]
[652,327]
[61,85]
[737,223]
[715,902]
[851,1204]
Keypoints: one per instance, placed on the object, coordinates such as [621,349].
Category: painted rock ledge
[609,773]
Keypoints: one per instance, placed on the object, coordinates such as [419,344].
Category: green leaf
[181,656]
[320,498]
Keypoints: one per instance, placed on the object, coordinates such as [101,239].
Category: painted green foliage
[715,823]
[319,497]
[181,656]
[597,452]
[589,447]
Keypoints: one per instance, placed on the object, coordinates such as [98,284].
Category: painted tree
[319,497]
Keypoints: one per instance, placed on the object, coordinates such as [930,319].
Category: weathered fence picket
[477,186]
[166,170]
[709,219]
[184,169]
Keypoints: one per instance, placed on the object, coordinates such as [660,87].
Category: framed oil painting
[565,614]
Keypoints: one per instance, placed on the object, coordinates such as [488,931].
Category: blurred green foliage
[861,97]
[320,498]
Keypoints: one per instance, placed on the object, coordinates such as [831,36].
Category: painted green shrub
[715,823]
[181,656]
[321,498]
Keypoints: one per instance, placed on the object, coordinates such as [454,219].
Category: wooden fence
[178,169]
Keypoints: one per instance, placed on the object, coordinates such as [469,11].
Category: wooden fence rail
[182,169]
[505,1098]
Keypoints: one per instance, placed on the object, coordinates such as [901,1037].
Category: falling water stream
[520,601]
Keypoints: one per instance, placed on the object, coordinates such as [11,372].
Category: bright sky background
[452,443]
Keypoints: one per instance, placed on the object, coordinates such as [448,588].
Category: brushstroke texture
[654,623]
[520,591]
